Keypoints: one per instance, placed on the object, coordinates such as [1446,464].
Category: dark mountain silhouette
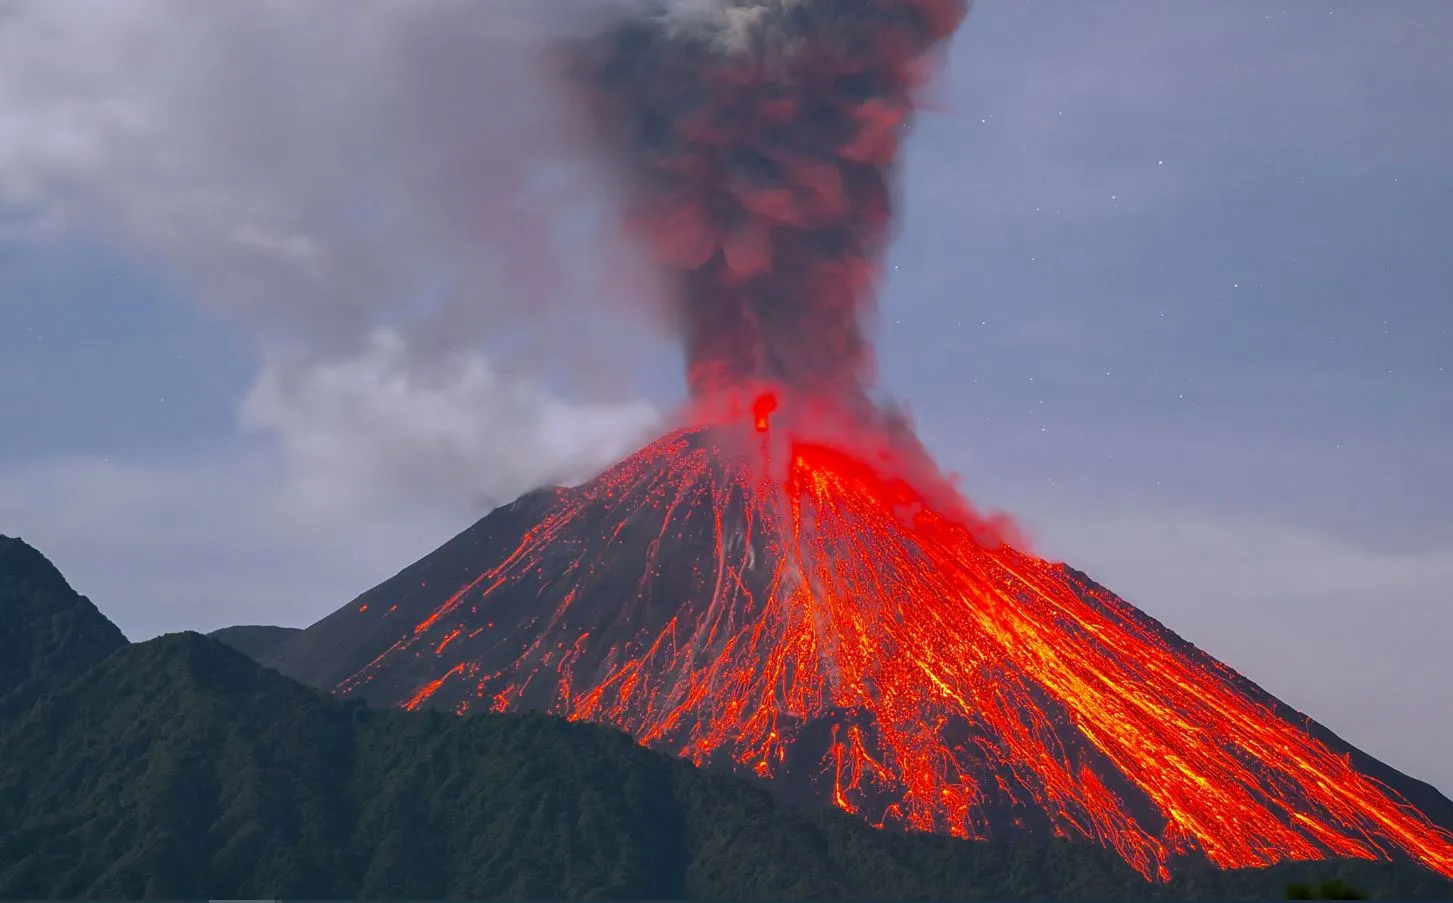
[652,599]
[48,632]
[179,768]
[256,641]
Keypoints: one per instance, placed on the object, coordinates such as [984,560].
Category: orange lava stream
[948,670]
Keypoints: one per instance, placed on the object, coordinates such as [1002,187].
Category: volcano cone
[798,612]
[786,587]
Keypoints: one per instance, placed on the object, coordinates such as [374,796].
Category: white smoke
[429,425]
[383,192]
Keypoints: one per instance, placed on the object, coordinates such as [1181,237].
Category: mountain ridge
[179,767]
[256,641]
[47,629]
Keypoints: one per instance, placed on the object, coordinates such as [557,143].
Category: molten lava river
[805,613]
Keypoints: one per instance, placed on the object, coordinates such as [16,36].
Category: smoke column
[757,142]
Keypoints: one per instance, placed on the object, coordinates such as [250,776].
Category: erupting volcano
[783,584]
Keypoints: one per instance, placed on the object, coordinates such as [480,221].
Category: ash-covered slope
[824,629]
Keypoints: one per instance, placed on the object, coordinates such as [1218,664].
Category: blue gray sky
[288,298]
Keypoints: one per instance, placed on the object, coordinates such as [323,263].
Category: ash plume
[757,142]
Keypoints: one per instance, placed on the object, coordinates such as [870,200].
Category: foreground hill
[180,768]
[48,631]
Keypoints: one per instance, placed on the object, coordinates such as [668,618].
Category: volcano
[784,585]
[794,609]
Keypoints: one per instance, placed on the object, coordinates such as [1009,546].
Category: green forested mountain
[48,632]
[180,768]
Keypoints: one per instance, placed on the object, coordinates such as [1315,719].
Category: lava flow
[843,632]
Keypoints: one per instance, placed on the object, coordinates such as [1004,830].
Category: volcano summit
[784,585]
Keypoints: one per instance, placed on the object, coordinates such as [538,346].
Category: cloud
[375,464]
[393,201]
[310,172]
[381,431]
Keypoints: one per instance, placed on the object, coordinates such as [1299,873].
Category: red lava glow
[762,409]
[948,670]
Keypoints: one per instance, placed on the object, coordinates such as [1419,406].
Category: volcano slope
[798,613]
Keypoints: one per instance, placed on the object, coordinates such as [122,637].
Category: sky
[287,300]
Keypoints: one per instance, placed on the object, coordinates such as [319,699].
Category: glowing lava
[762,409]
[829,621]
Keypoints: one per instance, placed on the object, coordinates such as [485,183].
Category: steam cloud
[757,142]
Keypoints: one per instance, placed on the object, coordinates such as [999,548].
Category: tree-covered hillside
[180,768]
